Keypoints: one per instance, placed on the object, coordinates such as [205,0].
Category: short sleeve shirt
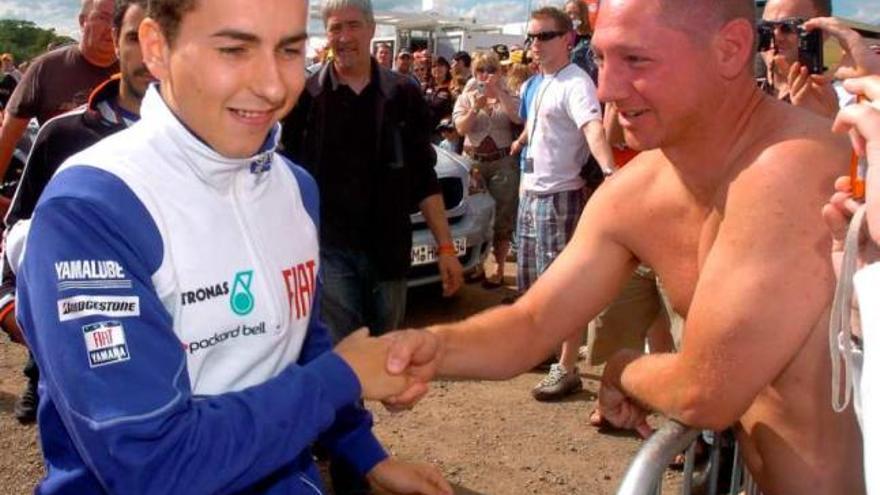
[563,103]
[57,82]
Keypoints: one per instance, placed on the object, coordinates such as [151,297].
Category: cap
[502,51]
[445,125]
[404,52]
[516,57]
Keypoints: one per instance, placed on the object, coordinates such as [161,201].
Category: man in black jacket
[113,106]
[364,133]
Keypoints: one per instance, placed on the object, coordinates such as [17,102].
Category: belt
[488,157]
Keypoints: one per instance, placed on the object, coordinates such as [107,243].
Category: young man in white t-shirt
[564,127]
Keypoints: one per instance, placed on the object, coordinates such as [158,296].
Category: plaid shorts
[545,224]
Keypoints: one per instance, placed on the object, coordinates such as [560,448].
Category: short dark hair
[560,18]
[699,18]
[121,9]
[169,14]
[463,58]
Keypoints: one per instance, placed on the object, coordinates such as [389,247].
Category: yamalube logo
[241,299]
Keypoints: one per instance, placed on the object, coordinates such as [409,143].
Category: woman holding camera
[485,114]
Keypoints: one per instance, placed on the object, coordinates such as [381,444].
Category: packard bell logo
[242,300]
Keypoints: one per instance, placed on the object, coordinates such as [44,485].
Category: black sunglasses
[488,70]
[786,26]
[544,36]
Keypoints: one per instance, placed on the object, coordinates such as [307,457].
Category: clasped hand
[394,368]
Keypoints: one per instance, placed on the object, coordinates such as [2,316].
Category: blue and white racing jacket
[169,295]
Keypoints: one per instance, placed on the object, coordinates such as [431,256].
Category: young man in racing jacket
[113,106]
[170,278]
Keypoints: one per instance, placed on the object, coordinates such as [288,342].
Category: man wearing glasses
[564,127]
[787,79]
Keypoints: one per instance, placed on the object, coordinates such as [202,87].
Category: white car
[470,212]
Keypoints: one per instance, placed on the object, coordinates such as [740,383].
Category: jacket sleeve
[421,157]
[351,436]
[117,374]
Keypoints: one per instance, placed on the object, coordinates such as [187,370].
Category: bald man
[724,203]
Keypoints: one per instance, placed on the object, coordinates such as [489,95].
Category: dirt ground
[487,437]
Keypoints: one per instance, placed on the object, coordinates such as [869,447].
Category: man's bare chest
[677,247]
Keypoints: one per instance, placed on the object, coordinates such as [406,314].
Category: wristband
[446,250]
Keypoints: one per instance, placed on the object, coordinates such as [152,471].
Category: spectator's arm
[510,105]
[464,115]
[12,130]
[434,211]
[594,132]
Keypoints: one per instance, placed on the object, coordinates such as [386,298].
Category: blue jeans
[353,297]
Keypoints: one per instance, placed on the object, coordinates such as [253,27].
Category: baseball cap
[445,125]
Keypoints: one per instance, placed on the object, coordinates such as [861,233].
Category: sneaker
[26,405]
[557,384]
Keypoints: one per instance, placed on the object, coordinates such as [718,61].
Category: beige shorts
[625,322]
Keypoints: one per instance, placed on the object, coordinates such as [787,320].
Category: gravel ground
[487,437]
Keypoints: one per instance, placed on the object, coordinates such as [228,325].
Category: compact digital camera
[809,42]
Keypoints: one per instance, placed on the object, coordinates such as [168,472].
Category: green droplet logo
[241,300]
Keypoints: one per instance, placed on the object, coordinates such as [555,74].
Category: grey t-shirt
[57,82]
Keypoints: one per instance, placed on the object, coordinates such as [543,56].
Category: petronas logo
[242,300]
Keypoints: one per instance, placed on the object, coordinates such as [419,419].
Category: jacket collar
[208,165]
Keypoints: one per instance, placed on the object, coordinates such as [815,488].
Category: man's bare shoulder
[790,148]
[784,176]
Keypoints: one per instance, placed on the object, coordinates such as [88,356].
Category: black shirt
[345,221]
[372,157]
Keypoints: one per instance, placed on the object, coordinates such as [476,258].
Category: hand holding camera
[858,58]
[809,41]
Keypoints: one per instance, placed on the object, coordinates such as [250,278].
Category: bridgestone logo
[77,307]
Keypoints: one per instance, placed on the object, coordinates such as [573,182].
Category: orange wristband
[446,250]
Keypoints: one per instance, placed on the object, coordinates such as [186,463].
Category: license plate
[424,254]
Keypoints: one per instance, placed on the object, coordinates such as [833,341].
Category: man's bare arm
[505,341]
[11,131]
[434,211]
[594,132]
[762,289]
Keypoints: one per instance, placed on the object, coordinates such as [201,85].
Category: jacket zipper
[250,241]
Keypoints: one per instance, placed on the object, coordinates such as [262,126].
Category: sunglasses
[786,26]
[544,36]
[486,70]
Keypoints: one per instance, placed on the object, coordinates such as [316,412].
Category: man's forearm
[434,211]
[662,383]
[497,344]
[11,131]
[594,132]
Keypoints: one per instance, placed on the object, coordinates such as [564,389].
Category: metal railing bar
[650,462]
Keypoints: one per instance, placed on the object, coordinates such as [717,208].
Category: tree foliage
[25,40]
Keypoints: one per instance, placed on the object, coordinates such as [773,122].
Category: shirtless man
[726,207]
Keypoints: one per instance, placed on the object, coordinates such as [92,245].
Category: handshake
[394,368]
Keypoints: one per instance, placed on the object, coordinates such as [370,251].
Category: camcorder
[809,42]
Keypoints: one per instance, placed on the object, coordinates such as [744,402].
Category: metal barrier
[645,474]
